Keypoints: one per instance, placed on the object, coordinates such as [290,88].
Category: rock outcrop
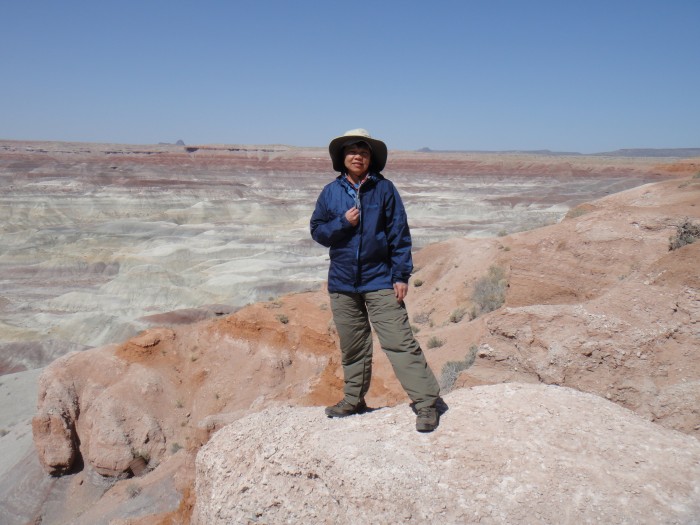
[165,390]
[512,453]
[596,303]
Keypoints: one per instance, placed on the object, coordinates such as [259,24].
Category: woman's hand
[353,216]
[400,291]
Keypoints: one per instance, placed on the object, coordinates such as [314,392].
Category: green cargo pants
[352,313]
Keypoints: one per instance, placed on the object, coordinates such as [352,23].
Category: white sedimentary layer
[86,250]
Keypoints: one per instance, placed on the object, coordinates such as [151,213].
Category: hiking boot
[343,408]
[427,419]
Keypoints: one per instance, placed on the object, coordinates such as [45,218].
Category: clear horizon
[471,76]
[249,144]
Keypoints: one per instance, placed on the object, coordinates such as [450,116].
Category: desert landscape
[166,342]
[99,240]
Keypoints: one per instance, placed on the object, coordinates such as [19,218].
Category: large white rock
[509,453]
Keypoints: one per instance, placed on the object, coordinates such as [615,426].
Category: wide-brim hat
[377,147]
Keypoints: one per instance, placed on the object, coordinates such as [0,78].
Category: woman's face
[357,158]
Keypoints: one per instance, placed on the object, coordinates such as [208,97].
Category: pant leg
[390,321]
[352,323]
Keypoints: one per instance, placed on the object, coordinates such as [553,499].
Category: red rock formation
[167,389]
[597,303]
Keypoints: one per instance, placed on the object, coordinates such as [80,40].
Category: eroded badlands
[95,239]
[596,307]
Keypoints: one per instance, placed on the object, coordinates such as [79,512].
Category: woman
[361,218]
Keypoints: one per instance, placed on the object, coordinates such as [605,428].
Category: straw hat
[377,147]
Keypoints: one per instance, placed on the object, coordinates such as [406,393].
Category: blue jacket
[372,255]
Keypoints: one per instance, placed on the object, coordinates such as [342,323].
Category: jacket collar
[371,178]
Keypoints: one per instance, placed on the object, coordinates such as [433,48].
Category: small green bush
[452,369]
[576,212]
[686,233]
[435,342]
[417,283]
[421,318]
[581,209]
[283,319]
[457,315]
[489,292]
[274,303]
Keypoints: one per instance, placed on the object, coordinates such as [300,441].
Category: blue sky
[475,75]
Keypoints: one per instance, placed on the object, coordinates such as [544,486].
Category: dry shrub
[421,318]
[457,315]
[686,233]
[452,369]
[489,292]
[435,342]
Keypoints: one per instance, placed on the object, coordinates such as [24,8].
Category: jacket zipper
[359,244]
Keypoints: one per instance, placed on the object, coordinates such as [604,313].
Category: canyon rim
[595,303]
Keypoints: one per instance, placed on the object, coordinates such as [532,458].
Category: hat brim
[379,151]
